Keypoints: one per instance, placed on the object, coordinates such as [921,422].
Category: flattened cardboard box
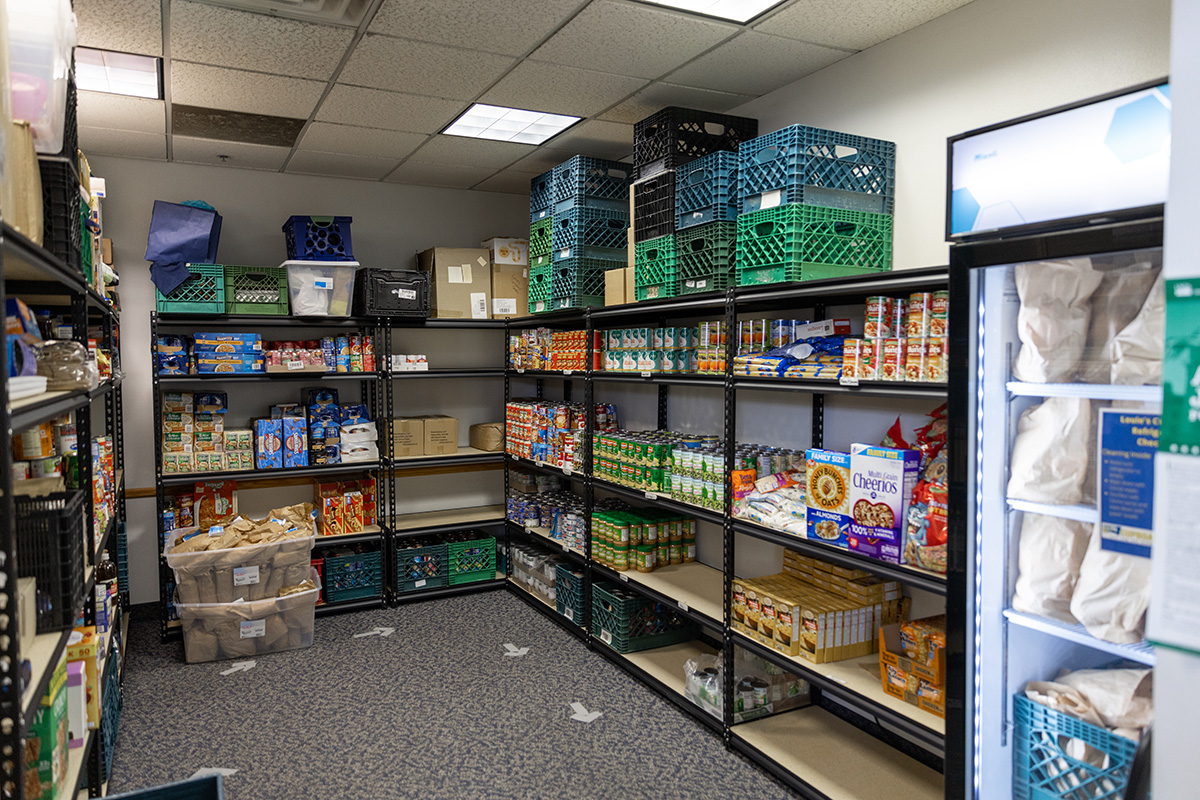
[614,287]
[460,281]
[510,291]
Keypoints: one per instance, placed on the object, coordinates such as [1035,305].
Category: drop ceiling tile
[658,96]
[134,144]
[627,39]
[542,160]
[372,108]
[597,138]
[130,26]
[328,137]
[755,63]
[853,24]
[560,90]
[310,162]
[118,112]
[249,92]
[464,152]
[238,154]
[509,182]
[227,38]
[382,62]
[475,24]
[421,174]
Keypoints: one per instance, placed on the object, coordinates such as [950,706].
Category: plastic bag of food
[1050,453]
[1053,321]
[66,366]
[1115,304]
[1137,351]
[1112,593]
[1049,555]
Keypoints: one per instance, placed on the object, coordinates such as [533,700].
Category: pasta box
[881,486]
[828,496]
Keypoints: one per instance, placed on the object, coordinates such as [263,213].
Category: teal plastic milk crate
[540,282]
[203,293]
[627,621]
[801,243]
[471,558]
[421,565]
[568,592]
[256,290]
[353,577]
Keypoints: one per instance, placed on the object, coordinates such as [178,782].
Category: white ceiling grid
[374,99]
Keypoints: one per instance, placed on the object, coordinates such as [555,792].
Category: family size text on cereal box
[881,486]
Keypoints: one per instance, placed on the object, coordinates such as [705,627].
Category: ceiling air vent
[348,13]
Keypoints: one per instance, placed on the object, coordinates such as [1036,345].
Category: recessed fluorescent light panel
[509,124]
[117,73]
[733,10]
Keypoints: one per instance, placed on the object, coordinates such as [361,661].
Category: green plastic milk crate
[472,560]
[353,577]
[568,592]
[256,290]
[654,273]
[541,236]
[802,242]
[627,622]
[203,293]
[421,567]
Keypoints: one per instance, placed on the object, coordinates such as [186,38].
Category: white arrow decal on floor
[513,651]
[204,773]
[582,714]
[377,632]
[240,666]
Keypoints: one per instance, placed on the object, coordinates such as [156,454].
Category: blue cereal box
[227,343]
[268,443]
[828,497]
[228,362]
[881,486]
[295,442]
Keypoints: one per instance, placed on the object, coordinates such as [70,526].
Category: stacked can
[561,514]
[642,539]
[760,335]
[710,347]
[638,459]
[546,431]
[648,349]
[904,339]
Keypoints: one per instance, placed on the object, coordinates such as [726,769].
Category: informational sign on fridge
[1128,442]
[1181,368]
[1175,568]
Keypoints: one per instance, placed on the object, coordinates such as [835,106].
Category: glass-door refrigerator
[1056,369]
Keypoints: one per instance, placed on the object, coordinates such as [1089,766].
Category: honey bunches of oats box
[828,496]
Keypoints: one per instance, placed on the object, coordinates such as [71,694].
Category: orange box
[352,512]
[332,515]
[370,507]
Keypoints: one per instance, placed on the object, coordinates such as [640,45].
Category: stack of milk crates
[685,201]
[813,204]
[579,222]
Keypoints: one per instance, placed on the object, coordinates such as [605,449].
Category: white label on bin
[771,199]
[253,628]
[323,283]
[245,576]
[479,305]
[848,380]
[454,274]
[605,637]
[294,365]
[419,584]
[564,253]
[569,613]
[504,305]
[405,294]
[683,606]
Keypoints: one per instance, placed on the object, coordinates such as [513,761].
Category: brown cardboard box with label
[510,291]
[460,281]
[408,436]
[441,435]
[614,288]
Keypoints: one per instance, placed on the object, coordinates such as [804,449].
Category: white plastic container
[321,288]
[239,573]
[41,36]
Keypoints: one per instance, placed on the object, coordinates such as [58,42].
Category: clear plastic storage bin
[239,573]
[321,288]
[41,36]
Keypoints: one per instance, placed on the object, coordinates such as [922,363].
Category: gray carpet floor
[435,711]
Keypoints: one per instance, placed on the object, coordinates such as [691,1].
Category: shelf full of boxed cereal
[551,431]
[247,353]
[642,539]
[345,507]
[562,513]
[546,349]
[904,339]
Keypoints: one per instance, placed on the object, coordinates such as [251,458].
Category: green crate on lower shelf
[568,592]
[256,290]
[202,293]
[801,242]
[627,621]
[353,577]
[471,559]
[421,567]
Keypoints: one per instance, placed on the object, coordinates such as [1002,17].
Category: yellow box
[84,646]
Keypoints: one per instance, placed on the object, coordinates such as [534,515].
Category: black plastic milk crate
[391,293]
[586,232]
[50,547]
[706,190]
[654,206]
[674,136]
[582,181]
[62,231]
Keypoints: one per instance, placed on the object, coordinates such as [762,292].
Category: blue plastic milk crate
[586,232]
[318,238]
[582,181]
[706,190]
[817,167]
[541,197]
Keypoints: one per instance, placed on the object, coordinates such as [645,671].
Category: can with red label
[891,367]
[880,316]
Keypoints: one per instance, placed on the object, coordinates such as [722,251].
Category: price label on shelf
[651,496]
[646,373]
[567,371]
[623,576]
[683,606]
[540,463]
[569,613]
[295,365]
[568,471]
[521,370]
[848,380]
[419,584]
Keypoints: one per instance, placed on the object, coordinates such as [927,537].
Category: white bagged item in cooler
[1050,454]
[1050,552]
[1115,304]
[1137,350]
[1112,593]
[1053,320]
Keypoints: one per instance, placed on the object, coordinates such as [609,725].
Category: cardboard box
[614,287]
[441,435]
[46,743]
[630,290]
[460,281]
[510,290]
[513,252]
[408,436]
[106,254]
[84,645]
[295,442]
[903,678]
[487,436]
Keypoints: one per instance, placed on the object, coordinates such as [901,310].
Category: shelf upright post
[727,534]
[507,398]
[83,428]
[385,386]
[589,491]
[164,575]
[10,655]
[818,399]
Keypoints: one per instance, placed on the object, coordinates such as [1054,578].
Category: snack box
[295,442]
[210,402]
[208,442]
[46,744]
[83,645]
[175,402]
[268,443]
[252,341]
[902,677]
[881,485]
[176,442]
[331,510]
[828,496]
[231,363]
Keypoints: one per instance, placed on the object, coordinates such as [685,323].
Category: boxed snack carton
[828,496]
[295,442]
[507,251]
[268,443]
[881,486]
[921,684]
[76,704]
[46,744]
[84,646]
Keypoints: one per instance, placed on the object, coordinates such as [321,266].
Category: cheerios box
[881,487]
[828,496]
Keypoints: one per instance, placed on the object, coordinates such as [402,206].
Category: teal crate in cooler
[568,592]
[654,271]
[421,566]
[470,558]
[202,293]
[704,256]
[584,232]
[627,621]
[800,242]
[1046,763]
[353,577]
[256,290]
[541,238]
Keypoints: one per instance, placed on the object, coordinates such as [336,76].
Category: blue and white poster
[1128,442]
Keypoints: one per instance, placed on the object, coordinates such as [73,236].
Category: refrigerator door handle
[1138,786]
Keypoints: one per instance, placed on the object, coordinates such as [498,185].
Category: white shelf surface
[517,584]
[44,645]
[1142,652]
[839,760]
[462,451]
[665,664]
[451,516]
[696,585]
[544,533]
[1079,513]
[367,529]
[861,676]
[1094,391]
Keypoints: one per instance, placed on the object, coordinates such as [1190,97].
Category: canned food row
[922,314]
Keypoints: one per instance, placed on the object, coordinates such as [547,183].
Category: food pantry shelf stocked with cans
[545,349]
[641,539]
[550,431]
[904,339]
[561,514]
[247,353]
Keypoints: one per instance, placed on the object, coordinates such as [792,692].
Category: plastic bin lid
[307,263]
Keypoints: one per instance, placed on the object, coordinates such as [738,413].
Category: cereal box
[295,442]
[352,515]
[268,443]
[828,496]
[332,515]
[881,485]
